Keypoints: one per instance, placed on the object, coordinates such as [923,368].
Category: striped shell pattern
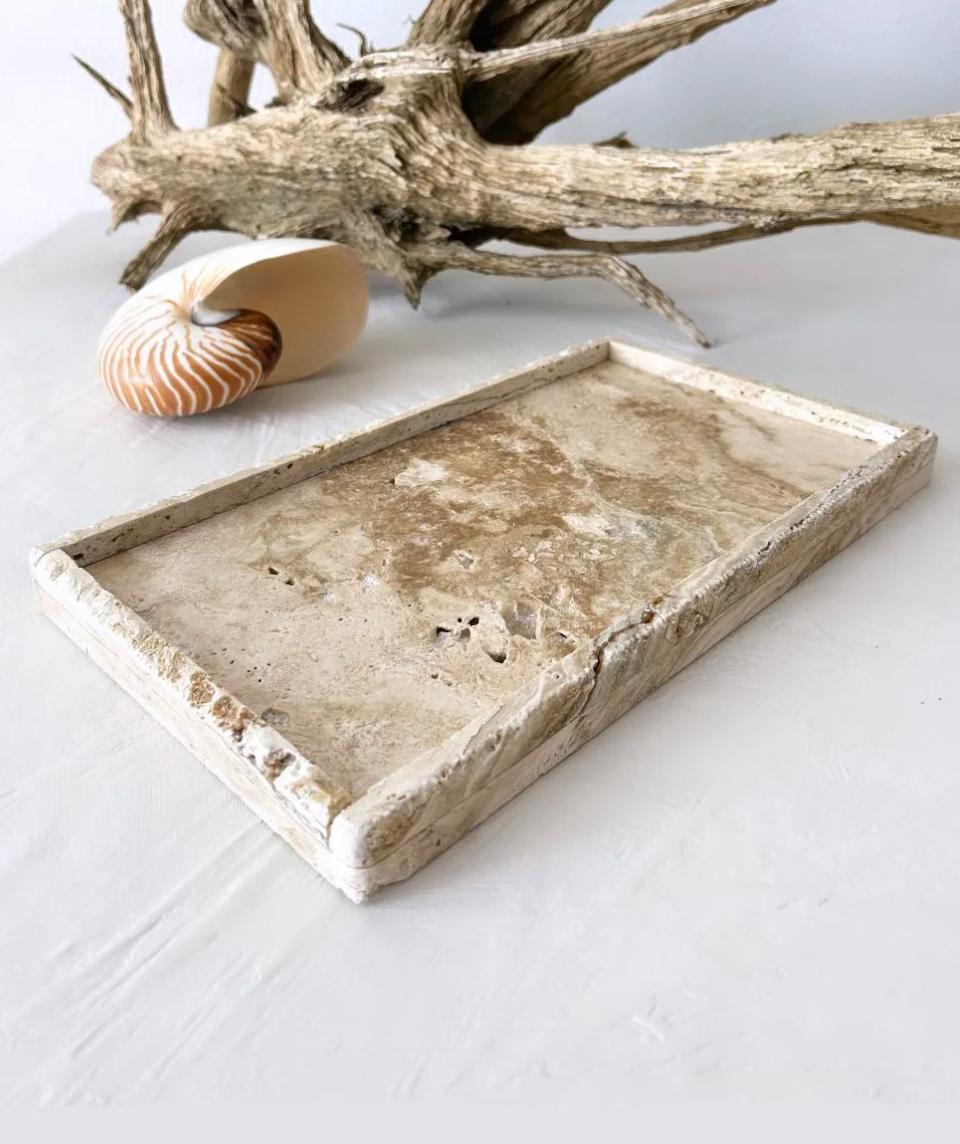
[169,357]
[199,337]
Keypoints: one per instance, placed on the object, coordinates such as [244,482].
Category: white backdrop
[748,889]
[802,65]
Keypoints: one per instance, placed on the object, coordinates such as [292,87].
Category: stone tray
[378,641]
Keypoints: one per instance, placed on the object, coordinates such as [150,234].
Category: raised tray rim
[422,807]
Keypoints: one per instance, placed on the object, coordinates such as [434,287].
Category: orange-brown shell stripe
[154,359]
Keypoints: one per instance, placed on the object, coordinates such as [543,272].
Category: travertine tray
[378,641]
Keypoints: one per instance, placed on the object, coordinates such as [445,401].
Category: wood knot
[348,94]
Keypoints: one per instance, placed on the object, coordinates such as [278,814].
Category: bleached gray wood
[418,156]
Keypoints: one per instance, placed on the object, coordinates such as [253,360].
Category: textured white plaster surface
[768,907]
[747,889]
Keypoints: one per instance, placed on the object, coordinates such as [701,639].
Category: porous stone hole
[443,635]
[522,617]
[273,571]
[498,655]
[454,631]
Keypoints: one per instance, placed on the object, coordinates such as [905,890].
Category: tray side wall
[120,533]
[741,390]
[284,789]
[415,814]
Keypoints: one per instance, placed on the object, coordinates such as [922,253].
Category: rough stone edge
[119,533]
[187,694]
[775,399]
[602,680]
[280,804]
[411,856]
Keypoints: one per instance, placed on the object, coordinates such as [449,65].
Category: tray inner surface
[373,610]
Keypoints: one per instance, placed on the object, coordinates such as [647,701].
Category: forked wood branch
[231,88]
[420,156]
[150,111]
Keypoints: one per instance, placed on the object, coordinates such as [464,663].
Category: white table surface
[747,889]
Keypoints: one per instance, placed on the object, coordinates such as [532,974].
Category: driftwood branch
[150,116]
[125,210]
[234,25]
[608,267]
[445,22]
[301,58]
[606,56]
[596,68]
[686,244]
[943,224]
[417,157]
[231,88]
[364,47]
[278,33]
[114,92]
[176,222]
[579,66]
[491,104]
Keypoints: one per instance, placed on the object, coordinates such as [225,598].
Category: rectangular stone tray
[378,641]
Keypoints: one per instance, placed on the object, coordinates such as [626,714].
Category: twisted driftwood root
[419,156]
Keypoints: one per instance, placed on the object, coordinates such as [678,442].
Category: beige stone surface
[378,641]
[372,611]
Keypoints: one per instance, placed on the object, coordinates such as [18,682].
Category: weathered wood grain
[418,156]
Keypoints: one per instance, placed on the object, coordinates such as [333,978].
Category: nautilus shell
[203,335]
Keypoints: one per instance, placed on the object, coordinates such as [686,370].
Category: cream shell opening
[206,334]
[315,293]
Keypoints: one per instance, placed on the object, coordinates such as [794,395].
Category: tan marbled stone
[433,624]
